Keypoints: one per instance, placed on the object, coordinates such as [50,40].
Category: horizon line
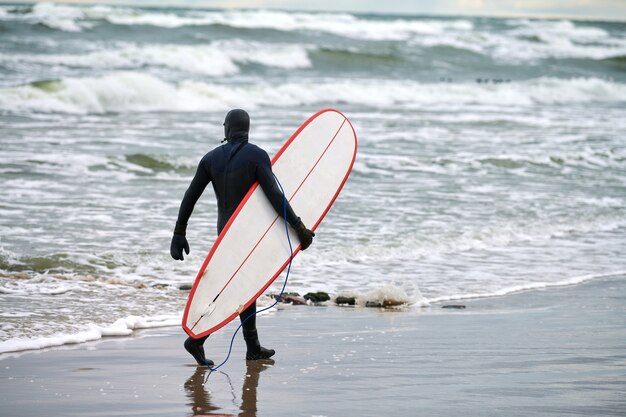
[512,15]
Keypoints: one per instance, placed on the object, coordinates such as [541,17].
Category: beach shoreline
[546,352]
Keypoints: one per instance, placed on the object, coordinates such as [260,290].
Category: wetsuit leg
[248,318]
[251,336]
[196,349]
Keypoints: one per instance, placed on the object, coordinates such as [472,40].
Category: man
[232,169]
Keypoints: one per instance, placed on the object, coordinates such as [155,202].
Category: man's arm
[193,193]
[275,196]
[272,191]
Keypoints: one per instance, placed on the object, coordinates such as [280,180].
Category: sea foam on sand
[121,327]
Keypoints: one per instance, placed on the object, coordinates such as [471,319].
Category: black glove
[179,242]
[305,235]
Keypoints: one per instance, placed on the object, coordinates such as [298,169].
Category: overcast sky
[612,9]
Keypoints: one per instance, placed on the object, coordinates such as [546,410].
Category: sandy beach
[557,351]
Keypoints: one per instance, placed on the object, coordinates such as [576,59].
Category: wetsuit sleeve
[193,193]
[272,191]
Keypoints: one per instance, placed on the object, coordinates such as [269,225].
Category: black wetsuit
[233,168]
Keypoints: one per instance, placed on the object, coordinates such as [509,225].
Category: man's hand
[305,235]
[179,242]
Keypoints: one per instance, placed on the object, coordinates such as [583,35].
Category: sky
[584,9]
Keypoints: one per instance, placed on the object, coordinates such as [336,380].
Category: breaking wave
[218,58]
[138,92]
[75,18]
[520,39]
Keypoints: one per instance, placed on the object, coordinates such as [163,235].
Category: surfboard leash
[232,340]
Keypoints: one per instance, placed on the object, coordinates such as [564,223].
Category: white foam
[53,15]
[546,29]
[341,24]
[532,40]
[402,253]
[559,39]
[57,16]
[288,56]
[74,18]
[129,17]
[41,285]
[219,58]
[12,291]
[525,40]
[118,92]
[132,91]
[122,327]
[392,295]
[200,60]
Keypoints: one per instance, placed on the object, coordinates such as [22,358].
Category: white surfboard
[252,250]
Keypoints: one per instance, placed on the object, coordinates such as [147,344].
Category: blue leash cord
[232,340]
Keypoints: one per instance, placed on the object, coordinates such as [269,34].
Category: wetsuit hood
[236,125]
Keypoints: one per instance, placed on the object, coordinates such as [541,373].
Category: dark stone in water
[185,287]
[293,299]
[345,301]
[290,298]
[292,293]
[317,297]
[457,306]
[285,294]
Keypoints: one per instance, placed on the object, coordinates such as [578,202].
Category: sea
[491,159]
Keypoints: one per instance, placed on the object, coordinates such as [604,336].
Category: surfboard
[252,249]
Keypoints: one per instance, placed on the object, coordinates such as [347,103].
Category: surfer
[233,168]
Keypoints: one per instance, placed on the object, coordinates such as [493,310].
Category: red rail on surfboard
[202,308]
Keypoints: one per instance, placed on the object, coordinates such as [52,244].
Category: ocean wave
[532,40]
[117,92]
[76,18]
[340,24]
[546,30]
[219,58]
[519,40]
[357,55]
[54,16]
[138,92]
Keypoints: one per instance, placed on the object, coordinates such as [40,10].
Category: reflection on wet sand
[199,396]
[200,400]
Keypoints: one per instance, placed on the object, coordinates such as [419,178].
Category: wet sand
[560,351]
